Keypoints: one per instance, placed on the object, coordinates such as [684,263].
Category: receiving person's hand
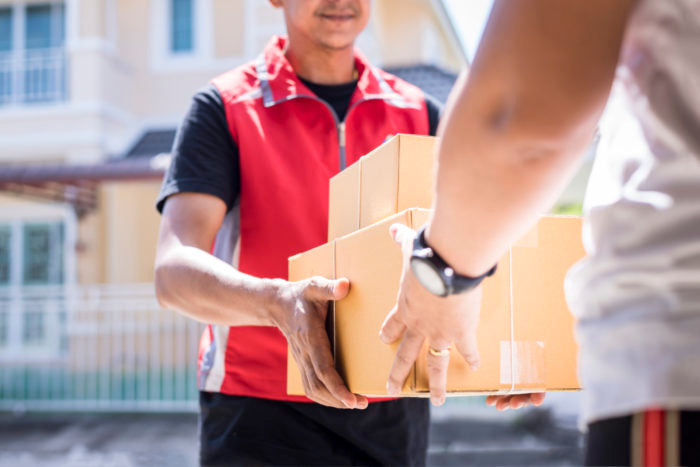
[419,316]
[515,401]
[300,313]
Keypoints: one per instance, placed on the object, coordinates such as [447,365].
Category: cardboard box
[526,332]
[395,176]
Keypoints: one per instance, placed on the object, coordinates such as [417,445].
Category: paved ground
[460,435]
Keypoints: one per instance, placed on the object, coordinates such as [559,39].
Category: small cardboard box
[525,333]
[395,176]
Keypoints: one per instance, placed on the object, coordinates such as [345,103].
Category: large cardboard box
[525,333]
[395,176]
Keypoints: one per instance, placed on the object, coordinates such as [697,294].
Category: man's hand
[419,315]
[515,401]
[301,316]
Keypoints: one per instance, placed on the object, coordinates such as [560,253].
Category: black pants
[238,430]
[654,437]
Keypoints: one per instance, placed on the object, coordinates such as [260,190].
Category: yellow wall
[91,248]
[131,230]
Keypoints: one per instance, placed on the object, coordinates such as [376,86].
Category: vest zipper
[340,126]
[341,144]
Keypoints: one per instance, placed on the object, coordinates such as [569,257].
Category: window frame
[19,53]
[17,298]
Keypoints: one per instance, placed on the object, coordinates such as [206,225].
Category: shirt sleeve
[204,155]
[434,107]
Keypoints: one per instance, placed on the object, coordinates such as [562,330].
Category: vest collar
[279,82]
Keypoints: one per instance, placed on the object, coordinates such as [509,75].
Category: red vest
[291,143]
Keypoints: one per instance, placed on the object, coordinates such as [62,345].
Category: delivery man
[519,124]
[246,189]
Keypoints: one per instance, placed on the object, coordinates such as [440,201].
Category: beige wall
[410,32]
[91,248]
[229,28]
[92,18]
[131,231]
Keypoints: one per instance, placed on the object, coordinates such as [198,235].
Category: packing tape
[522,363]
[360,163]
[512,324]
[333,301]
[398,174]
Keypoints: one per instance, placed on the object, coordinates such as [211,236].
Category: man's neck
[321,66]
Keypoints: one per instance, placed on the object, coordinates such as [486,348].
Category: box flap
[415,180]
[380,173]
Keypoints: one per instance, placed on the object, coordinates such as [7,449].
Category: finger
[519,401]
[313,388]
[322,362]
[491,400]
[503,403]
[392,328]
[468,348]
[318,393]
[321,288]
[406,356]
[537,398]
[437,373]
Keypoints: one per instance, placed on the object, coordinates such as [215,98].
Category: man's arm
[513,133]
[193,282]
[517,127]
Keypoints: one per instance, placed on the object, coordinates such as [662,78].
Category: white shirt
[637,294]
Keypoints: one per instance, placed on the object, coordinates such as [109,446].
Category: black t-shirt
[205,157]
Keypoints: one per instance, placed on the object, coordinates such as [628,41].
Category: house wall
[122,81]
[131,230]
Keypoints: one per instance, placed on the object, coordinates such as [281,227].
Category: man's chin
[336,45]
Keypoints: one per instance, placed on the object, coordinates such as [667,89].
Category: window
[182,21]
[44,36]
[43,253]
[4,326]
[32,318]
[6,31]
[32,67]
[34,331]
[4,255]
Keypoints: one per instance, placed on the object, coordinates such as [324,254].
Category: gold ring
[439,353]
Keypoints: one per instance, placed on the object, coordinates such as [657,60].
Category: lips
[334,17]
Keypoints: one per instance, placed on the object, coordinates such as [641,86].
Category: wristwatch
[436,275]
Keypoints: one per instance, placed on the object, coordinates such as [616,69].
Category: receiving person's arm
[193,282]
[199,189]
[511,138]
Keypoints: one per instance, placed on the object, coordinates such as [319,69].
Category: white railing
[97,347]
[33,76]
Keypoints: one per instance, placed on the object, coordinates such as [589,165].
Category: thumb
[402,234]
[327,289]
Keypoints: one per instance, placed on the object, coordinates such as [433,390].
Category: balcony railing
[97,347]
[33,76]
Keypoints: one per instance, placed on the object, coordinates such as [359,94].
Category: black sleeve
[204,156]
[434,113]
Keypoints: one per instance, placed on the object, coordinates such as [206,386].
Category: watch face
[428,276]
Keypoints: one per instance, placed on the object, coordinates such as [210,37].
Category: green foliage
[570,209]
